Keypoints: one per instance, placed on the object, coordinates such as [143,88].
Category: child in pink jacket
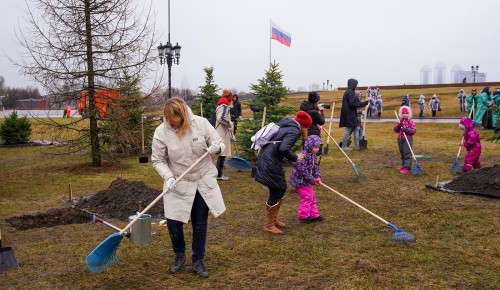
[304,175]
[405,126]
[472,143]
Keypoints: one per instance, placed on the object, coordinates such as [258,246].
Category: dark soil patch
[484,181]
[119,201]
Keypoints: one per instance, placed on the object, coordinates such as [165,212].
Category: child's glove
[408,130]
[317,181]
[397,128]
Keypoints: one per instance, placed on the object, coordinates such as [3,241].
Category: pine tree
[269,93]
[208,95]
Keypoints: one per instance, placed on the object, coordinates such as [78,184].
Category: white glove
[321,107]
[216,148]
[168,184]
[240,117]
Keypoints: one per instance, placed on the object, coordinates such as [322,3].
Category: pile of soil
[122,199]
[119,201]
[485,181]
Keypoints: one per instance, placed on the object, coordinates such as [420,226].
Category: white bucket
[140,231]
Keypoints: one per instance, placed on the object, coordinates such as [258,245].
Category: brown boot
[271,212]
[277,222]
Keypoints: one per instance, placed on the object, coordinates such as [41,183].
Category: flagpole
[270,40]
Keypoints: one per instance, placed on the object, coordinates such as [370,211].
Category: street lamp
[327,82]
[169,54]
[474,71]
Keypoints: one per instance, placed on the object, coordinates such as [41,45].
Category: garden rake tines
[400,236]
[415,170]
[104,255]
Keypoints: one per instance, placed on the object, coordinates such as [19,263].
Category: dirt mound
[51,218]
[122,199]
[483,181]
[119,201]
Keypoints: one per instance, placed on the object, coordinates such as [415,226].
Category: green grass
[458,245]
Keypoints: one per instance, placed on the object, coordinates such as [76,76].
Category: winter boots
[271,213]
[200,269]
[277,222]
[179,260]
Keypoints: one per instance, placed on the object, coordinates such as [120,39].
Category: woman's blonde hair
[176,107]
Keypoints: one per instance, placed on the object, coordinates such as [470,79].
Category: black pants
[275,195]
[220,165]
[199,220]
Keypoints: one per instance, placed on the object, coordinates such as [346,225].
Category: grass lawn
[458,241]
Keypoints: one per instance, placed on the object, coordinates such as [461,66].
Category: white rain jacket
[171,157]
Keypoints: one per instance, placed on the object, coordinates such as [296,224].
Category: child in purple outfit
[472,142]
[304,175]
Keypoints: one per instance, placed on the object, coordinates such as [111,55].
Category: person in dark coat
[348,114]
[312,107]
[270,171]
[235,112]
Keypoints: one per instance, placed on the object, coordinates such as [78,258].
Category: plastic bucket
[140,231]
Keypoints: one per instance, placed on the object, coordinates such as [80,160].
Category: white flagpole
[270,40]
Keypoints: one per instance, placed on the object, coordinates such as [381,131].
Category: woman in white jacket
[177,144]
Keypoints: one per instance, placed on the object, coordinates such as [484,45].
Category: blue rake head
[417,170]
[238,164]
[357,172]
[104,255]
[455,168]
[401,237]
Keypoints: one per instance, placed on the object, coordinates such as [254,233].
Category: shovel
[363,144]
[236,163]
[7,257]
[143,158]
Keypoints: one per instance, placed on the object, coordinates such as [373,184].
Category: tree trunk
[93,112]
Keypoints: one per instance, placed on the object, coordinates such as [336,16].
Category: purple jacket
[472,141]
[304,173]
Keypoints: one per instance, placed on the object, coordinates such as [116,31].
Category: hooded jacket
[270,171]
[405,123]
[472,140]
[318,119]
[350,104]
[304,173]
[224,125]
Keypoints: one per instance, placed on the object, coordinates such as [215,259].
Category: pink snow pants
[307,205]
[471,160]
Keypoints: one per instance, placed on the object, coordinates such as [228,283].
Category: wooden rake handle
[404,134]
[355,203]
[470,114]
[163,193]
[330,125]
[338,146]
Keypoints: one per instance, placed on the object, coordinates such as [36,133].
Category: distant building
[425,75]
[456,74]
[439,73]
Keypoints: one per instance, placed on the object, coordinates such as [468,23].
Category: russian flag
[280,35]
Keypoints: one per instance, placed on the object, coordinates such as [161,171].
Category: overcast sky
[378,42]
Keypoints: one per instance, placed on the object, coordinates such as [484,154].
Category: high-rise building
[425,75]
[439,73]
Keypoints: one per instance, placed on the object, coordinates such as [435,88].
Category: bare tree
[71,46]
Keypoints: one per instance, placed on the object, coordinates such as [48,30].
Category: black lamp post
[474,71]
[169,54]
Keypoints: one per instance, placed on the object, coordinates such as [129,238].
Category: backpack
[264,135]
[213,118]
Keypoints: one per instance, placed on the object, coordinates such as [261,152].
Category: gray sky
[378,42]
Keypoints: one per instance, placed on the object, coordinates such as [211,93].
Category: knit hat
[223,101]
[303,119]
[227,94]
[405,111]
[313,97]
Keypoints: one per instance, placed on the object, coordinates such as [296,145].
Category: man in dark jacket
[315,110]
[348,114]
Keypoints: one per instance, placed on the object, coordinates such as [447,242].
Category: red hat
[303,119]
[223,101]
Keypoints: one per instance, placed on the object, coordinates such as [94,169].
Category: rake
[400,236]
[415,170]
[352,163]
[329,130]
[104,255]
[455,168]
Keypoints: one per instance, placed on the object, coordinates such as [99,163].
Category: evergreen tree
[269,93]
[15,130]
[208,95]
